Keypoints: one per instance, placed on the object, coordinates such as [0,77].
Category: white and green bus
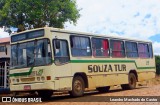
[48,60]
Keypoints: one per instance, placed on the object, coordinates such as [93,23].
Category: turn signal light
[48,77]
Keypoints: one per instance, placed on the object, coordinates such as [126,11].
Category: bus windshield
[32,53]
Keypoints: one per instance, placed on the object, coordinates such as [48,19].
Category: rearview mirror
[57,43]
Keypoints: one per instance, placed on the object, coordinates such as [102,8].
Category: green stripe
[110,61]
[88,61]
[22,74]
[102,61]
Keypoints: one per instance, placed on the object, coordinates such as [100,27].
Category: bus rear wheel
[45,94]
[77,87]
[132,82]
[103,89]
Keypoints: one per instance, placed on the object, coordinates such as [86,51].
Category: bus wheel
[77,87]
[103,89]
[45,94]
[132,82]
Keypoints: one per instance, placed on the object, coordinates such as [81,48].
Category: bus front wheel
[77,87]
[132,82]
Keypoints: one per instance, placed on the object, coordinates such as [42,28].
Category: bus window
[30,53]
[41,56]
[117,48]
[143,50]
[22,56]
[14,54]
[33,53]
[61,53]
[131,49]
[100,47]
[150,51]
[80,46]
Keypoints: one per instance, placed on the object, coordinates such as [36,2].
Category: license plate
[27,87]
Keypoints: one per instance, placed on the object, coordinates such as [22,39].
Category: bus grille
[28,79]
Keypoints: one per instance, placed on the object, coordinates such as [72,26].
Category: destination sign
[27,35]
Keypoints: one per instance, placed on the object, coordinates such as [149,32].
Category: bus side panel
[62,76]
[116,79]
[146,69]
[142,76]
[105,78]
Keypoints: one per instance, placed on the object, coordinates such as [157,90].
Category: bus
[48,60]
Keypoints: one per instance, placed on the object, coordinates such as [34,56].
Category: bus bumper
[33,86]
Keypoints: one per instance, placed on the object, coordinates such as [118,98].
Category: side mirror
[57,43]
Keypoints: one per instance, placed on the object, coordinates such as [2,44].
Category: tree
[37,13]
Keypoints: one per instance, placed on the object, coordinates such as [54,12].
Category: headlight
[38,78]
[42,78]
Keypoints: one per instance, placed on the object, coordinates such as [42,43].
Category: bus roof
[83,33]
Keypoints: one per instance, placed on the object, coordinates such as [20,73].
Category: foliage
[38,13]
[157,58]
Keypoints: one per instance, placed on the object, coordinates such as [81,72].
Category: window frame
[108,47]
[111,50]
[53,44]
[71,44]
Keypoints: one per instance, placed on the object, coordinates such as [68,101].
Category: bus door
[62,65]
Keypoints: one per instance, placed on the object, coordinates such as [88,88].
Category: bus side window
[143,50]
[117,47]
[100,47]
[131,49]
[80,46]
[61,53]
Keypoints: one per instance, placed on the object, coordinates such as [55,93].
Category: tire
[45,94]
[131,82]
[77,87]
[103,89]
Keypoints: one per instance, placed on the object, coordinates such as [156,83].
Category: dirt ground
[146,88]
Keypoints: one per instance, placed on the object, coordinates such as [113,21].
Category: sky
[2,33]
[138,19]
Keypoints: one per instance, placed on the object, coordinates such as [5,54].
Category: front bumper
[33,86]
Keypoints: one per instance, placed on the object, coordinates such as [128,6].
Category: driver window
[61,54]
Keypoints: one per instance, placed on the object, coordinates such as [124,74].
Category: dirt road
[95,97]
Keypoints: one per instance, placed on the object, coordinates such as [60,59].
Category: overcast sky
[139,19]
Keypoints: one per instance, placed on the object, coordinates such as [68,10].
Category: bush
[157,58]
